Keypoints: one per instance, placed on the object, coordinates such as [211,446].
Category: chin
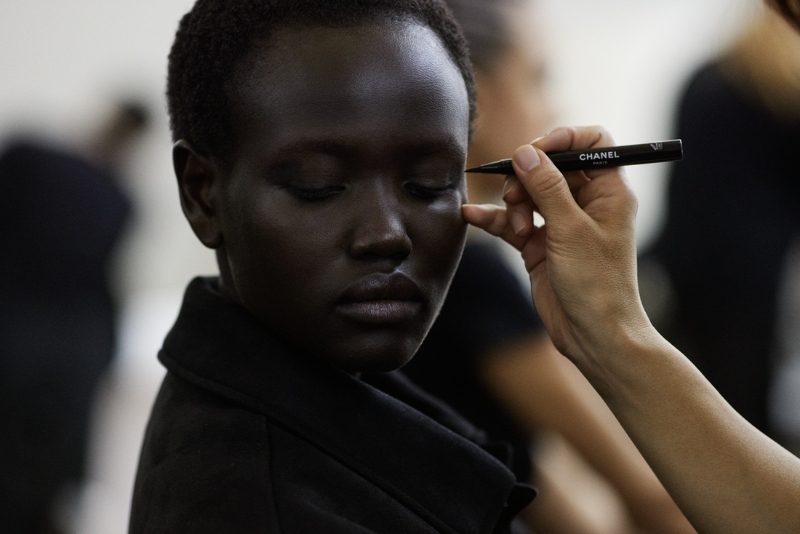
[381,357]
[381,363]
[378,351]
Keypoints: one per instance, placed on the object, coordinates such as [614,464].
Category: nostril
[381,241]
[390,247]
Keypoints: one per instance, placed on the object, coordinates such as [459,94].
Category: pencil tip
[473,169]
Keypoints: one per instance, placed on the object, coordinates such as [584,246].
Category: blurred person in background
[784,402]
[734,211]
[488,354]
[725,474]
[62,210]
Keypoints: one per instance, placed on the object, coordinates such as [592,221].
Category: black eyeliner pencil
[599,158]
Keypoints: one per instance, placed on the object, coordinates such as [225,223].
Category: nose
[381,230]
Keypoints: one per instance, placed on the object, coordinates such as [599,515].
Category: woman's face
[340,213]
[513,103]
[790,9]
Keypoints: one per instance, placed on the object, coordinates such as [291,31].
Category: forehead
[381,81]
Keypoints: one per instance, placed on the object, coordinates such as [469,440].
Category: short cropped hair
[790,9]
[217,34]
[486,27]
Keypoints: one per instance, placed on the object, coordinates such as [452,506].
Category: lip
[381,299]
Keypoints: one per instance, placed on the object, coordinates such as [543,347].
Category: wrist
[615,351]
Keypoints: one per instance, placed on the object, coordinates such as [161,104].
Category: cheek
[442,233]
[277,253]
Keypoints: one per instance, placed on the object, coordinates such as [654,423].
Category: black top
[485,309]
[734,208]
[60,218]
[249,435]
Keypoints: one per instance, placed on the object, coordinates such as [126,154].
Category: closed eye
[313,194]
[428,191]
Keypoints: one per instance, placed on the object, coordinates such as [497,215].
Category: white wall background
[615,62]
[61,63]
[621,63]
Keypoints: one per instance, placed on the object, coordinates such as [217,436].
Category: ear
[198,186]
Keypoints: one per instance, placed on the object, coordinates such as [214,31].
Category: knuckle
[600,136]
[548,182]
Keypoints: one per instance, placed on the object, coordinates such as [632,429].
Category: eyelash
[314,195]
[427,192]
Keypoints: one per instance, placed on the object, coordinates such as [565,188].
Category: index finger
[574,138]
[567,138]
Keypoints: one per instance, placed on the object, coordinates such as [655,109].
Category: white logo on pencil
[657,146]
[598,155]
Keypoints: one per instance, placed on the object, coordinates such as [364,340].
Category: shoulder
[485,294]
[485,277]
[209,465]
[203,466]
[708,78]
[711,99]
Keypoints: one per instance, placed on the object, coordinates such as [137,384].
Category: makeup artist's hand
[582,262]
[724,474]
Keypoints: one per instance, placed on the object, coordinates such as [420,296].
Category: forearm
[541,388]
[558,397]
[724,474]
[589,425]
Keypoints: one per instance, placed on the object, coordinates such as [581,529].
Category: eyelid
[440,177]
[313,171]
[313,193]
[427,192]
[449,185]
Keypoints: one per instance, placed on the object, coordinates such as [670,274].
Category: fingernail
[526,157]
[518,222]
[507,186]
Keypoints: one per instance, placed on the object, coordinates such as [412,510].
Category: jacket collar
[432,469]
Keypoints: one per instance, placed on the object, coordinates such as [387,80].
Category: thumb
[545,184]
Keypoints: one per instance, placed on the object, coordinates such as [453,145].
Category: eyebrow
[419,148]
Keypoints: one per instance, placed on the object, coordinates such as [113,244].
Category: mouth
[381,299]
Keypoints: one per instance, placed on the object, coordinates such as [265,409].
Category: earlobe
[197,177]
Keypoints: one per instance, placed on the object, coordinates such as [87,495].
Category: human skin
[790,9]
[529,377]
[513,101]
[724,474]
[337,218]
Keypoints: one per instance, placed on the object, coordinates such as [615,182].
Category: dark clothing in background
[486,308]
[249,435]
[59,220]
[734,208]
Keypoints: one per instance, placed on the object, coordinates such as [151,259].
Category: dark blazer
[248,435]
